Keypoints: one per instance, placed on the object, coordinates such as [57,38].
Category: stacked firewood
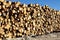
[17,20]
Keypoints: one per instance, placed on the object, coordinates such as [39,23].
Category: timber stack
[17,20]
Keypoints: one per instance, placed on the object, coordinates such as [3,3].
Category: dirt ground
[51,36]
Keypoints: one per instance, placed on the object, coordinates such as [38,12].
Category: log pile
[17,20]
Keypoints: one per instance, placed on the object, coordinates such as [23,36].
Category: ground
[51,36]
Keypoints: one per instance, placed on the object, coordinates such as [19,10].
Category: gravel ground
[52,36]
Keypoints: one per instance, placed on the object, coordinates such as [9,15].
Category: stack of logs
[17,20]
